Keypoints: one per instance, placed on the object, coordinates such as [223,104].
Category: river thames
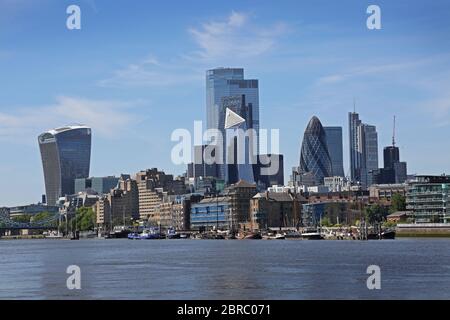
[225,269]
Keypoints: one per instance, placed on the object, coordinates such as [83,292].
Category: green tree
[398,203]
[325,222]
[375,213]
[24,218]
[85,219]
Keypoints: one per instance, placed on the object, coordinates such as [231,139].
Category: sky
[135,72]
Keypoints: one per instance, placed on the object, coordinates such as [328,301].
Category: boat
[133,236]
[184,236]
[253,236]
[293,235]
[280,236]
[150,234]
[172,234]
[53,235]
[119,232]
[388,234]
[312,236]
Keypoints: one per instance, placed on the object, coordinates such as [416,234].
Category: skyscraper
[66,156]
[314,157]
[353,124]
[334,143]
[368,151]
[229,82]
[363,146]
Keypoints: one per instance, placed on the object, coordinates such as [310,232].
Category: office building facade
[363,146]
[66,155]
[223,84]
[428,199]
[335,149]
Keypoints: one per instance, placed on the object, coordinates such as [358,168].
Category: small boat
[133,236]
[53,235]
[184,236]
[312,236]
[119,232]
[388,234]
[253,236]
[293,235]
[172,234]
[280,236]
[150,234]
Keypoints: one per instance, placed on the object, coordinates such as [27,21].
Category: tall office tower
[391,155]
[314,156]
[201,167]
[334,143]
[66,156]
[353,124]
[226,82]
[363,146]
[368,151]
[240,144]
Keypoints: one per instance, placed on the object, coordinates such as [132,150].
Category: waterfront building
[239,195]
[223,83]
[31,209]
[100,185]
[428,198]
[363,146]
[382,193]
[211,213]
[175,212]
[120,205]
[66,154]
[335,149]
[275,210]
[153,185]
[314,157]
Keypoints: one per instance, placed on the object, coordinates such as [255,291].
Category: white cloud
[229,41]
[150,72]
[105,117]
[235,37]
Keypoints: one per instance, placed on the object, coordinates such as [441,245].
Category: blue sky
[135,72]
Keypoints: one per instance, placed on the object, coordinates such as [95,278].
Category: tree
[84,219]
[398,203]
[375,213]
[325,222]
[24,218]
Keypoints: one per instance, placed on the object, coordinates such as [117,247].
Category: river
[225,269]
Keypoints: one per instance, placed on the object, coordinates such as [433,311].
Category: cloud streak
[237,37]
[105,117]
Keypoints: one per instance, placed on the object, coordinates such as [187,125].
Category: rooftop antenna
[354,105]
[393,134]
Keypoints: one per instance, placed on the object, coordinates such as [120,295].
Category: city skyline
[126,89]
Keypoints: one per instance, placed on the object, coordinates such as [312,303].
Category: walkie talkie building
[66,156]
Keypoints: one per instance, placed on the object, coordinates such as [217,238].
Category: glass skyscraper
[363,146]
[66,156]
[314,157]
[229,82]
[334,143]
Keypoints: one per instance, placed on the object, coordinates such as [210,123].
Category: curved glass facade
[66,156]
[315,157]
